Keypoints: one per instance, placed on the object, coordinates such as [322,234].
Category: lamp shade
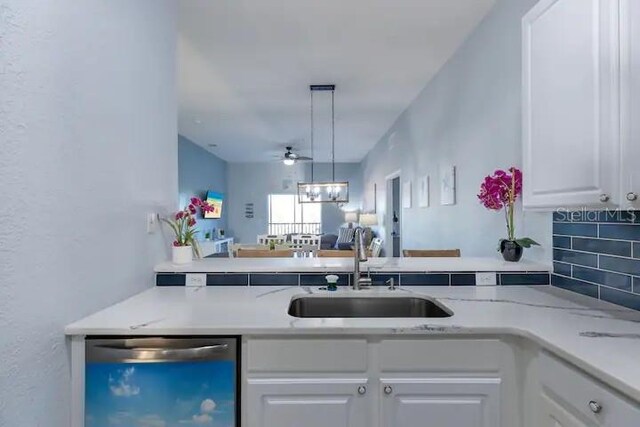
[351,217]
[368,220]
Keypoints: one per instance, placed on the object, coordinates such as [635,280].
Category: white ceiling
[245,67]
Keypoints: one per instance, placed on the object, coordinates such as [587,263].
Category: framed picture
[423,192]
[448,185]
[406,195]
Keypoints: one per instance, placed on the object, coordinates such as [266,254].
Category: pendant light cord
[333,138]
[311,136]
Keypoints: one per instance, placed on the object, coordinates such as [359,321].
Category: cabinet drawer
[435,355]
[306,355]
[574,389]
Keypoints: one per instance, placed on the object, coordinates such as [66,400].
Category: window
[287,216]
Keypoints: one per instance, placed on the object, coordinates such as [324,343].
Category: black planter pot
[511,251]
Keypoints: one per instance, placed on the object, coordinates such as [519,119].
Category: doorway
[393,224]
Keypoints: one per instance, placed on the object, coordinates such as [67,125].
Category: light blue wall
[198,172]
[468,116]
[253,182]
[89,130]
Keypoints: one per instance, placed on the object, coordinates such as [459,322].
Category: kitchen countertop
[601,338]
[302,265]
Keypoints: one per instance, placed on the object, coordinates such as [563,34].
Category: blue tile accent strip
[605,265]
[621,298]
[574,285]
[319,279]
[170,279]
[602,246]
[571,257]
[601,277]
[344,279]
[620,231]
[422,279]
[227,279]
[623,265]
[463,279]
[510,279]
[562,268]
[563,242]
[273,279]
[570,229]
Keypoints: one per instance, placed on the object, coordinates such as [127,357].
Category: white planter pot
[182,254]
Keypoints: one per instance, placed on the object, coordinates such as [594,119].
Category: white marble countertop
[601,338]
[302,265]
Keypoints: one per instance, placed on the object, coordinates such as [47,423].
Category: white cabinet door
[569,398]
[630,102]
[551,413]
[299,402]
[571,114]
[440,402]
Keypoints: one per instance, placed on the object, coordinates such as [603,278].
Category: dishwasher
[162,382]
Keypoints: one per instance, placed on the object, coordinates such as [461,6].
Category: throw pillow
[345,235]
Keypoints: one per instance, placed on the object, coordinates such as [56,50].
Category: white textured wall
[468,116]
[87,148]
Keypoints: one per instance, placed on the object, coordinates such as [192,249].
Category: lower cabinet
[442,402]
[566,397]
[307,402]
[325,382]
[553,413]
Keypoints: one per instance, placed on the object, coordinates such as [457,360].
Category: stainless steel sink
[366,307]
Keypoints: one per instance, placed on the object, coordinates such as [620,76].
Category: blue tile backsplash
[444,278]
[598,254]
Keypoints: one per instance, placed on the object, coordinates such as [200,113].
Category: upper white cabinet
[446,402]
[571,104]
[630,102]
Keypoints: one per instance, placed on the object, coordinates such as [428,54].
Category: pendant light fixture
[327,191]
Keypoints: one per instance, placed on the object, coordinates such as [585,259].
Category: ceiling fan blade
[304,158]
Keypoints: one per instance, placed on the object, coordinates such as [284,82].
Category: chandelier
[328,191]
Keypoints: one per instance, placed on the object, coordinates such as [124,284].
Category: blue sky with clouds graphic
[160,394]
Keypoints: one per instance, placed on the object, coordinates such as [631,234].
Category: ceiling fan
[290,158]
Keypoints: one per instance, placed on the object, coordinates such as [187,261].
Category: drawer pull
[362,389]
[595,407]
[632,197]
[388,390]
[604,198]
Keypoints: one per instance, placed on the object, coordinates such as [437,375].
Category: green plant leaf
[174,227]
[527,242]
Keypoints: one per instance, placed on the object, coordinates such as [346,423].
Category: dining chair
[375,248]
[266,239]
[262,253]
[243,246]
[334,253]
[300,240]
[431,253]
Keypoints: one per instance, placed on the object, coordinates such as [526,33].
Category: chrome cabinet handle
[632,197]
[388,389]
[604,198]
[362,389]
[595,407]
